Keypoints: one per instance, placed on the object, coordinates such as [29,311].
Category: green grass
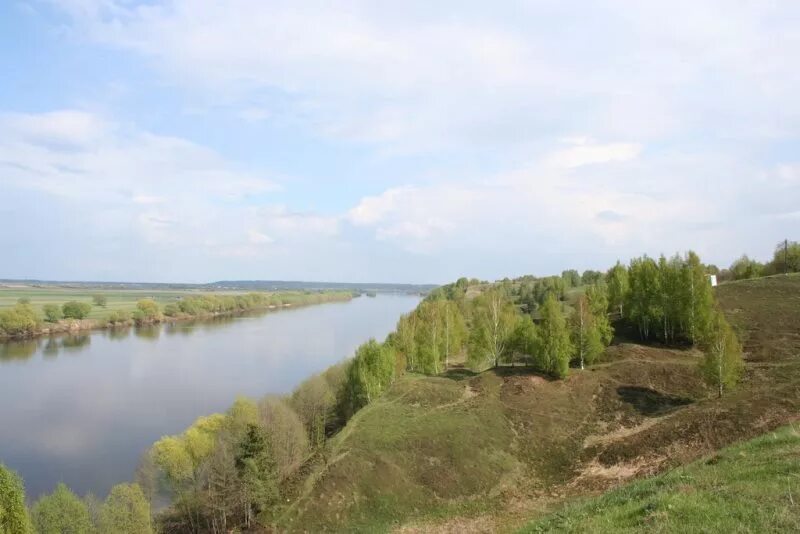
[750,487]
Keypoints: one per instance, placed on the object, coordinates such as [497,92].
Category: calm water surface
[82,409]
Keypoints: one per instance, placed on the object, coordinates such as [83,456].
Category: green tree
[13,514]
[21,320]
[745,268]
[314,402]
[556,348]
[61,512]
[257,472]
[370,374]
[493,318]
[76,310]
[722,365]
[618,287]
[597,301]
[586,337]
[524,340]
[99,300]
[126,510]
[698,298]
[52,313]
[571,278]
[147,310]
[287,434]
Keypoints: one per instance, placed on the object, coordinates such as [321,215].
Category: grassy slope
[494,449]
[750,487]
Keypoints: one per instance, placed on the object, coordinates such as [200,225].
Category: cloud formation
[524,137]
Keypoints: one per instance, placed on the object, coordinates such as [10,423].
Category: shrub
[76,310]
[171,310]
[18,321]
[52,313]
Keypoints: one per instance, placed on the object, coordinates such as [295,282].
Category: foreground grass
[750,487]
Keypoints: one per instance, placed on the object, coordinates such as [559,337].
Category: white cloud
[587,154]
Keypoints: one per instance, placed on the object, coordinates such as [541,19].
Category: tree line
[785,259]
[24,320]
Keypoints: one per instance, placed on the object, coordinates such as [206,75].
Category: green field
[117,300]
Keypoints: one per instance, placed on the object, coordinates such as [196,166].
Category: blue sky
[194,140]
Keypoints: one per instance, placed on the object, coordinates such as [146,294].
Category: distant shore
[113,318]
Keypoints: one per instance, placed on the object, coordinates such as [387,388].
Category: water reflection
[86,419]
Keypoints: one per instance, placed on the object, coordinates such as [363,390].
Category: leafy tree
[586,336]
[722,365]
[493,318]
[76,310]
[314,402]
[61,512]
[597,301]
[126,510]
[288,437]
[524,339]
[699,299]
[52,313]
[590,277]
[21,320]
[556,347]
[644,302]
[571,278]
[257,472]
[786,258]
[745,268]
[618,287]
[99,300]
[370,374]
[147,310]
[13,515]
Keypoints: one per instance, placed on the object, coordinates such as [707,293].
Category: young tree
[61,512]
[314,402]
[455,330]
[618,287]
[76,310]
[698,298]
[257,473]
[52,313]
[524,340]
[99,300]
[493,317]
[126,510]
[586,336]
[287,435]
[13,514]
[556,347]
[597,300]
[722,365]
[370,374]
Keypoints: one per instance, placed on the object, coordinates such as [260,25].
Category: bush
[171,310]
[99,300]
[20,320]
[146,311]
[52,313]
[76,310]
[117,317]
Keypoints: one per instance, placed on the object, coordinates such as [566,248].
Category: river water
[82,409]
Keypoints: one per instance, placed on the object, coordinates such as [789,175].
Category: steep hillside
[749,487]
[468,452]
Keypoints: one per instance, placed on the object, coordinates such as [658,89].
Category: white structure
[713,279]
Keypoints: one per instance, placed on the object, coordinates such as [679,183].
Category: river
[82,409]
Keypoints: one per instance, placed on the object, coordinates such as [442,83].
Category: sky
[375,141]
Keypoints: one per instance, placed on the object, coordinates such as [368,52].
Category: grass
[750,487]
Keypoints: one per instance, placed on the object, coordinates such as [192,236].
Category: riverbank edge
[76,326]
